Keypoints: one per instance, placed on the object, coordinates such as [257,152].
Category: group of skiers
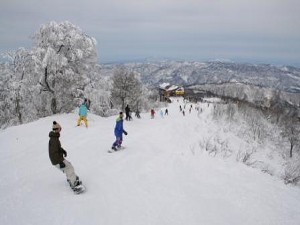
[128,113]
[57,154]
[152,113]
[183,111]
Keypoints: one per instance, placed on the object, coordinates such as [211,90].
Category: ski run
[162,177]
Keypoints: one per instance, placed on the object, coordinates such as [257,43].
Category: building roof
[172,88]
[164,85]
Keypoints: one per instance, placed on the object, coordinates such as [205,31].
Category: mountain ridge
[186,73]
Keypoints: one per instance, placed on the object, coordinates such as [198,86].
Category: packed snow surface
[163,177]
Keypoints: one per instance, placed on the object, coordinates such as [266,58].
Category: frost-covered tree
[19,89]
[52,77]
[98,92]
[66,55]
[291,131]
[126,88]
[6,102]
[292,170]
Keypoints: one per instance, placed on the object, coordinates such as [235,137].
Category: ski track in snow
[162,177]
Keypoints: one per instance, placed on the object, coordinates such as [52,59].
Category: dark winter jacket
[127,110]
[55,150]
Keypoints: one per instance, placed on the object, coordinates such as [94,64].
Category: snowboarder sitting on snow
[57,154]
[119,130]
[82,114]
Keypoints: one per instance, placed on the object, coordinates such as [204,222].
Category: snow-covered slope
[162,177]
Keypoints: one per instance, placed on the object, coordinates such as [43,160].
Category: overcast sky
[255,31]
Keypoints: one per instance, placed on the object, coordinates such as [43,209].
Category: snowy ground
[163,177]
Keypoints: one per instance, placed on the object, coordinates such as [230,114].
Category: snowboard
[79,189]
[118,149]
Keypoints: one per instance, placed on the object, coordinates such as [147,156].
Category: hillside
[263,85]
[284,78]
[164,176]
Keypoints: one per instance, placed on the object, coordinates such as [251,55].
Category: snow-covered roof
[172,88]
[168,87]
[164,85]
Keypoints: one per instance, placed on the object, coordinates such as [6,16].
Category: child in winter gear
[82,115]
[57,154]
[119,130]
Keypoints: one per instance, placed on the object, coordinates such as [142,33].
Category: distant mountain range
[284,78]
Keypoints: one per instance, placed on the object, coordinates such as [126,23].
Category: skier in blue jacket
[119,130]
[82,115]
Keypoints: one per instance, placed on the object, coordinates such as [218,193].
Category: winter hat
[56,126]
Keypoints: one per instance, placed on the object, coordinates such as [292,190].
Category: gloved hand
[62,165]
[64,153]
[125,132]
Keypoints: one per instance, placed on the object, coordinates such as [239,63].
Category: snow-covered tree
[52,77]
[98,92]
[21,83]
[66,55]
[291,131]
[126,88]
[6,102]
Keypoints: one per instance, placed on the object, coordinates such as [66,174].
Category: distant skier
[82,115]
[119,130]
[161,113]
[166,112]
[152,113]
[57,157]
[137,114]
[128,113]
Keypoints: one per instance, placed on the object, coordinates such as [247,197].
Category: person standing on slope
[137,114]
[152,113]
[57,157]
[161,113]
[119,130]
[127,112]
[82,115]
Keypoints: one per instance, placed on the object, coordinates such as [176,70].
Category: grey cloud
[192,29]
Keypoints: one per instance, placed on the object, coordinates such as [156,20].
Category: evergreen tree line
[57,73]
